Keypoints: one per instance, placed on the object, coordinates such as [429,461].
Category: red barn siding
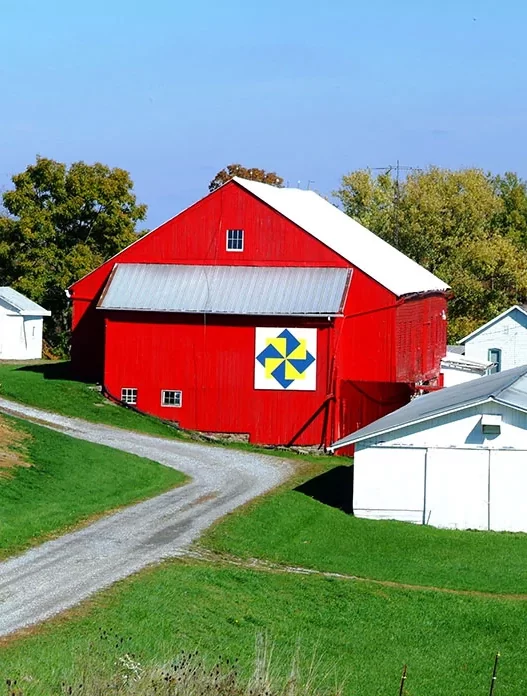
[198,235]
[420,340]
[366,359]
[211,361]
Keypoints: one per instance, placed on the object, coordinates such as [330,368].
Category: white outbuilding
[456,368]
[21,323]
[453,458]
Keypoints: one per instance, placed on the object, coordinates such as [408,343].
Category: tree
[233,170]
[62,223]
[467,227]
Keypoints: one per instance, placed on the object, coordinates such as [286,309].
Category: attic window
[490,424]
[234,240]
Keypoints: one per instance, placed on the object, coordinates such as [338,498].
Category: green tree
[467,227]
[63,222]
[232,170]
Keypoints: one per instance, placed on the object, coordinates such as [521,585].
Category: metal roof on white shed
[249,290]
[21,304]
[348,238]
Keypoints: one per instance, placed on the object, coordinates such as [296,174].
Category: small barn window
[234,240]
[129,395]
[494,356]
[171,397]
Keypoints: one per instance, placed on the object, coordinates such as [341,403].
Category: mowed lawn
[68,481]
[356,635]
[292,528]
[48,385]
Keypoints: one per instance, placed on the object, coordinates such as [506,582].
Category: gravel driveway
[60,573]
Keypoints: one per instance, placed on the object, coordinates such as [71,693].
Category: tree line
[468,227]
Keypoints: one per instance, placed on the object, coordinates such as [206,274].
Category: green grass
[292,528]
[48,385]
[69,481]
[361,634]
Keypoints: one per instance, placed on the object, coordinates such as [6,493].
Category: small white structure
[453,458]
[21,322]
[502,340]
[456,369]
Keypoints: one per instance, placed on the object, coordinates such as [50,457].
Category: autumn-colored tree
[467,227]
[63,222]
[232,170]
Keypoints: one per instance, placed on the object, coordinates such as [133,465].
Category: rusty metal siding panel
[245,290]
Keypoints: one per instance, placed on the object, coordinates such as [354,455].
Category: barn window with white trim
[172,397]
[234,240]
[129,395]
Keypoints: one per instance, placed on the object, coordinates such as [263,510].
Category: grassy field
[69,481]
[358,634]
[292,528]
[48,385]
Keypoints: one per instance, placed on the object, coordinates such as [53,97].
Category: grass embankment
[50,482]
[48,385]
[359,634]
[294,529]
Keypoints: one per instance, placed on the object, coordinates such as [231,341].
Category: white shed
[457,368]
[21,322]
[453,458]
[502,340]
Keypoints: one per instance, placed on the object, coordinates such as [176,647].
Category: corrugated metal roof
[348,238]
[22,304]
[226,289]
[508,387]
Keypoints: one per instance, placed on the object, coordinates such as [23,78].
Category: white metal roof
[248,290]
[508,388]
[348,238]
[462,362]
[520,308]
[20,304]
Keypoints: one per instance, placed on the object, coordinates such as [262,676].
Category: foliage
[68,482]
[63,222]
[232,170]
[467,227]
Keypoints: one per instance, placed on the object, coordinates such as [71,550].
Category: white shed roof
[20,304]
[348,238]
[508,388]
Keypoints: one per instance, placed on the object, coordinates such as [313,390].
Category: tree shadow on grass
[334,488]
[55,370]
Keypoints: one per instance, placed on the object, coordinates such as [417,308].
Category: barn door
[457,488]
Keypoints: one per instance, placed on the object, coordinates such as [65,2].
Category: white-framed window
[129,395]
[172,397]
[234,240]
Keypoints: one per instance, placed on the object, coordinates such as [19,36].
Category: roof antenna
[298,184]
[309,182]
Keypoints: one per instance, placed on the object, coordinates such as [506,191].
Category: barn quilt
[285,359]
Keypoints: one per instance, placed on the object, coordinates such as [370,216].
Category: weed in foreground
[192,675]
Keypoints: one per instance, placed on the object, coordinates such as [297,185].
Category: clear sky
[175,91]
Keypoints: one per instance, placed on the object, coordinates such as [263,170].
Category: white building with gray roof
[21,324]
[454,458]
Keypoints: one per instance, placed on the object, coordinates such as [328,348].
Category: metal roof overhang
[241,290]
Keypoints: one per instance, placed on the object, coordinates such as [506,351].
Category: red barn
[261,311]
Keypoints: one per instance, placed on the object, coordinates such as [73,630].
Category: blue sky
[175,91]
